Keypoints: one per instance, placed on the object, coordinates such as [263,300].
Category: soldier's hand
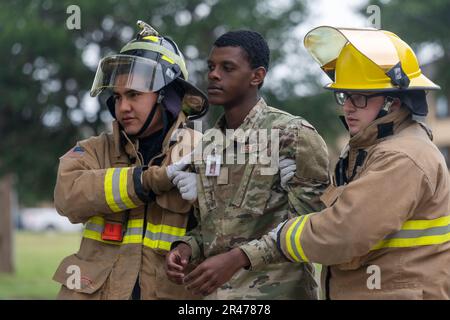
[175,167]
[186,183]
[287,171]
[176,261]
[215,271]
[179,165]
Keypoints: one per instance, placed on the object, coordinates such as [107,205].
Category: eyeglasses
[359,100]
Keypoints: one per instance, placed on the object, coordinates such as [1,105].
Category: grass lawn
[37,255]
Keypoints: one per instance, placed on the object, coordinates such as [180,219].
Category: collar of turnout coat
[381,129]
[132,145]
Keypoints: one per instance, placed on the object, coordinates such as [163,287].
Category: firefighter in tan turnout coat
[119,184]
[385,233]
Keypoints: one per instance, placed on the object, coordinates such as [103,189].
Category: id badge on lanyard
[213,163]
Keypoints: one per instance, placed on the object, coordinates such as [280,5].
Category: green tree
[47,69]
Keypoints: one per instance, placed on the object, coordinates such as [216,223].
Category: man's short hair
[252,42]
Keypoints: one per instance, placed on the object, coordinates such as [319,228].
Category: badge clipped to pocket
[213,163]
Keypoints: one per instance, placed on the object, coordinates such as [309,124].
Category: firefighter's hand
[274,232]
[176,261]
[186,183]
[215,271]
[287,171]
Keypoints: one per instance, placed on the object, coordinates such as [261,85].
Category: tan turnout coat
[98,182]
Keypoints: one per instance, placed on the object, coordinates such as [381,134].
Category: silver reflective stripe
[116,189]
[99,228]
[160,236]
[404,234]
[133,231]
[94,227]
[294,232]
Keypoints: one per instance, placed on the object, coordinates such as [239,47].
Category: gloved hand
[274,233]
[178,166]
[154,178]
[287,171]
[186,183]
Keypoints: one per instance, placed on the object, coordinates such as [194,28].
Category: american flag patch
[76,152]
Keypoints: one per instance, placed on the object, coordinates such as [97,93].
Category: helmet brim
[418,83]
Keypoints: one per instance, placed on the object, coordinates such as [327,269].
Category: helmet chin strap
[388,101]
[151,114]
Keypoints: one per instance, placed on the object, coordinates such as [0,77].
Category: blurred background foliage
[47,69]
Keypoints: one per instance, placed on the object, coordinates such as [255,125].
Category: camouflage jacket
[245,201]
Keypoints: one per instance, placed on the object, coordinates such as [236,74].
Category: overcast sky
[342,13]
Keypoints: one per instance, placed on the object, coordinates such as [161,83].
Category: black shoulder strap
[341,168]
[362,154]
[342,165]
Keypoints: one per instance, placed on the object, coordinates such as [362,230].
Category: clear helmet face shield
[132,72]
[325,44]
[146,75]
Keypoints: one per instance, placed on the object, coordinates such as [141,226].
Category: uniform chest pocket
[254,190]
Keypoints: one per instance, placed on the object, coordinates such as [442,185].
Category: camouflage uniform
[241,205]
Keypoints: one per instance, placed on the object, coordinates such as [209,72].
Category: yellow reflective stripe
[165,231]
[413,242]
[288,240]
[94,235]
[133,238]
[160,228]
[132,223]
[418,233]
[151,38]
[116,193]
[123,189]
[127,239]
[426,224]
[297,240]
[161,236]
[109,195]
[97,220]
[154,244]
[168,59]
[135,223]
